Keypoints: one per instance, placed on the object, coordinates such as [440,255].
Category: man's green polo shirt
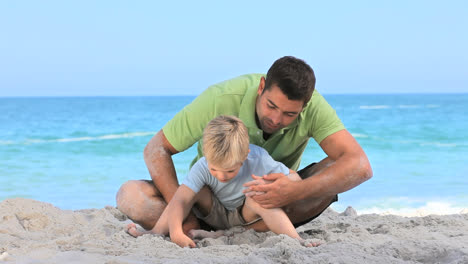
[237,97]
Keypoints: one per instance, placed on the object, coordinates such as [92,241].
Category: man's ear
[261,86]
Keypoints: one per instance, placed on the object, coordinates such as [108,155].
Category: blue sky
[81,48]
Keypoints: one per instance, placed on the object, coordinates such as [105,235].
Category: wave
[357,135]
[416,142]
[77,139]
[433,144]
[412,142]
[438,144]
[374,107]
[409,106]
[430,208]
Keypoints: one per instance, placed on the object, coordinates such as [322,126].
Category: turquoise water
[76,152]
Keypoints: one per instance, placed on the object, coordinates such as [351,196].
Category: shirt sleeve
[270,165]
[323,118]
[197,176]
[186,127]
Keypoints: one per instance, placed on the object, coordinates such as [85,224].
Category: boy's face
[224,174]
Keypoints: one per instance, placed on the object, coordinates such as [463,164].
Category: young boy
[213,186]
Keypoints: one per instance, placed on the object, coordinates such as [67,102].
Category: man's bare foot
[133,230]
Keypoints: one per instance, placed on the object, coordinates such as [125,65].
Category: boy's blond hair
[225,141]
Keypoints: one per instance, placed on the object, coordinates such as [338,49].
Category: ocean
[75,152]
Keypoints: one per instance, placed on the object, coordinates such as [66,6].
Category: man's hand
[278,190]
[182,240]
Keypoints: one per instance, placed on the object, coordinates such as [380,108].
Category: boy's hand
[182,240]
[257,181]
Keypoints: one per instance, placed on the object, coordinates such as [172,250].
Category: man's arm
[158,158]
[347,167]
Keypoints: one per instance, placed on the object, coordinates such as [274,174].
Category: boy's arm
[293,176]
[177,210]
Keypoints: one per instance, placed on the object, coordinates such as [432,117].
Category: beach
[37,232]
[59,175]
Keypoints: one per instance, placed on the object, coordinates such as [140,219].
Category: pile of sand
[37,232]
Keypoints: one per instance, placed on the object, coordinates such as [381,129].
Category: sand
[37,232]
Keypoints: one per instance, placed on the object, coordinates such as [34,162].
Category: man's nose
[276,117]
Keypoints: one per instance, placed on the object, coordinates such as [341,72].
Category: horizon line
[194,95]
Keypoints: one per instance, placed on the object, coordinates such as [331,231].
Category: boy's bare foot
[200,234]
[306,243]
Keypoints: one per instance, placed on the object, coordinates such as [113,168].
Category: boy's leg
[304,211]
[204,200]
[200,234]
[275,219]
[204,205]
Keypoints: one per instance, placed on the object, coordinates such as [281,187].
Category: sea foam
[76,139]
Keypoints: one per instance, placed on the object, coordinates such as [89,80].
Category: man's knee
[315,168]
[305,211]
[133,195]
[126,192]
[140,201]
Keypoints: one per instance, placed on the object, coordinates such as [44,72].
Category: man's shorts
[221,218]
[301,174]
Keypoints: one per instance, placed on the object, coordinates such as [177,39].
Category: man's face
[274,110]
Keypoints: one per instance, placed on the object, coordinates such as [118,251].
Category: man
[281,111]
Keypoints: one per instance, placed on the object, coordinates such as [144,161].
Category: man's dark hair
[293,76]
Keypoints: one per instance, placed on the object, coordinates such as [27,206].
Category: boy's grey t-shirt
[258,162]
